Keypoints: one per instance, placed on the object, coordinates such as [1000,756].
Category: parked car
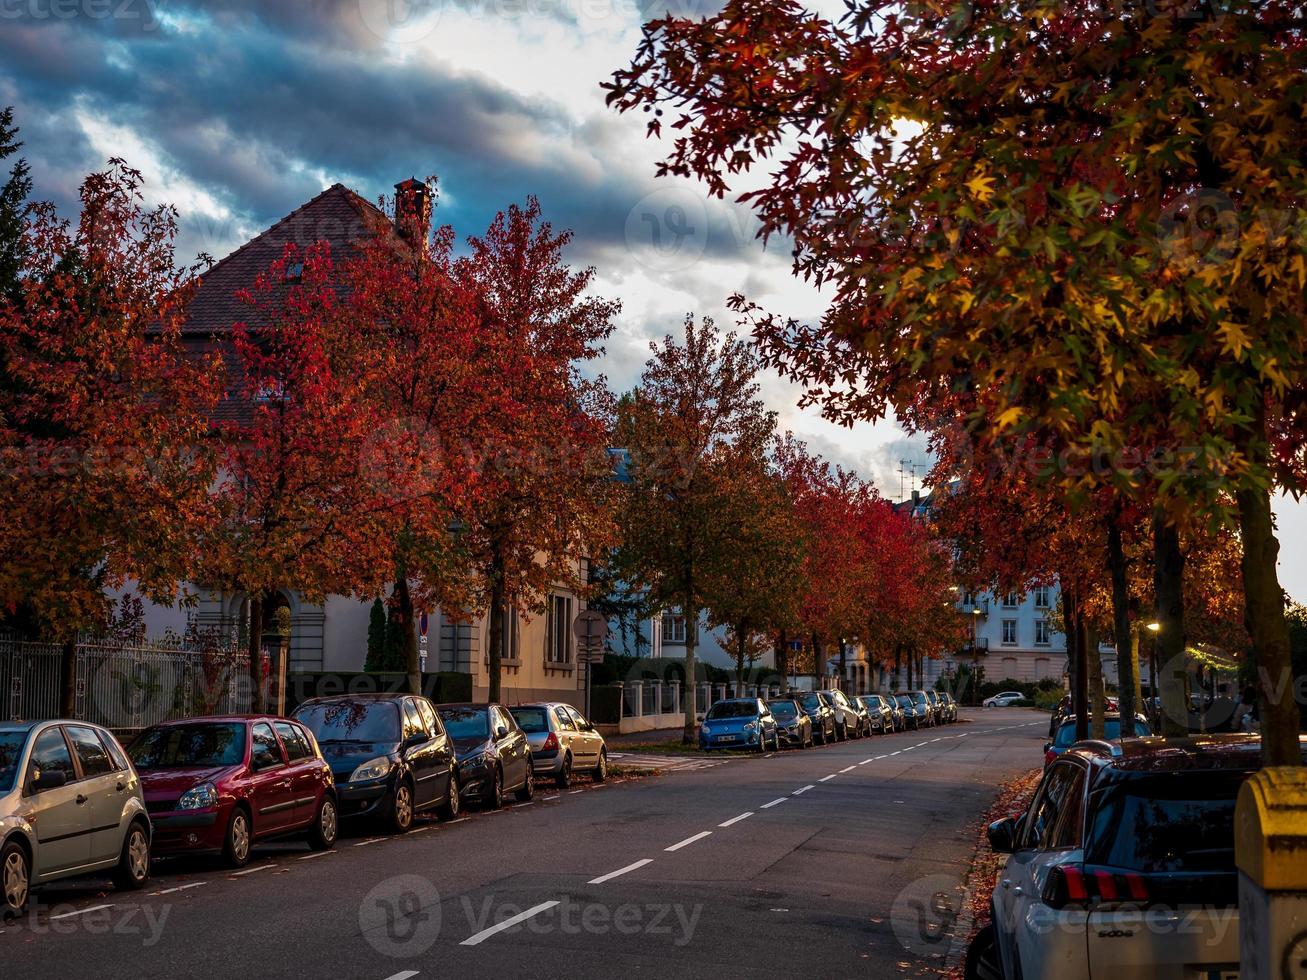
[879,713]
[70,804]
[494,758]
[739,723]
[950,707]
[1066,734]
[900,717]
[1116,836]
[792,723]
[561,741]
[218,785]
[926,716]
[938,712]
[821,713]
[849,720]
[390,755]
[916,713]
[1004,700]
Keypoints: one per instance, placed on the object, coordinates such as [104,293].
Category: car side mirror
[1003,835]
[417,738]
[501,731]
[49,779]
[1047,746]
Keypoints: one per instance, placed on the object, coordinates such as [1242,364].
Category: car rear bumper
[550,764]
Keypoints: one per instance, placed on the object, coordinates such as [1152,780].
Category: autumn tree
[544,477]
[1100,225]
[690,428]
[102,415]
[13,209]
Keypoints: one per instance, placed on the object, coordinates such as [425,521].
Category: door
[272,798]
[512,748]
[587,736]
[62,823]
[105,791]
[420,755]
[442,749]
[569,736]
[304,771]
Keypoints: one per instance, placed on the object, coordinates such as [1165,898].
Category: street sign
[591,631]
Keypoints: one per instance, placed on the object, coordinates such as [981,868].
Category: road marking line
[865,761]
[69,915]
[518,806]
[548,798]
[896,753]
[406,975]
[688,841]
[179,888]
[365,843]
[849,769]
[250,871]
[459,820]
[768,806]
[508,923]
[314,857]
[803,789]
[620,871]
[734,820]
[828,778]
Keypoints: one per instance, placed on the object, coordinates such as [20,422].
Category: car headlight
[706,730]
[478,761]
[198,797]
[377,768]
[750,727]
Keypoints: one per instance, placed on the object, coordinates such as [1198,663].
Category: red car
[218,785]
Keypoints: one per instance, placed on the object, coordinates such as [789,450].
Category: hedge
[439,687]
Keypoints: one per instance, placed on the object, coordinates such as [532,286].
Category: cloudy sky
[237,111]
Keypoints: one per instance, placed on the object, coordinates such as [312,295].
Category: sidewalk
[654,736]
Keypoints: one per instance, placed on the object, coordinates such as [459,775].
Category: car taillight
[1073,886]
[551,743]
[1049,758]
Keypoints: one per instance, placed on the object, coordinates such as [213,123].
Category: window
[1011,600]
[429,717]
[564,720]
[581,723]
[1044,827]
[511,649]
[412,719]
[266,752]
[1041,597]
[673,628]
[1042,633]
[1010,632]
[558,630]
[50,754]
[296,747]
[90,752]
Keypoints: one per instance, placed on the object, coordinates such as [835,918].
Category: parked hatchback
[390,755]
[1115,837]
[561,741]
[792,723]
[849,720]
[739,723]
[70,804]
[817,707]
[879,712]
[493,755]
[218,785]
[1004,699]
[916,709]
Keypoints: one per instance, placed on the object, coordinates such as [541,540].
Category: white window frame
[1012,642]
[1042,598]
[1042,627]
[671,634]
[1011,600]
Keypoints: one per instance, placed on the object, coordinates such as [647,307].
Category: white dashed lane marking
[508,923]
[620,871]
[688,841]
[776,802]
[735,820]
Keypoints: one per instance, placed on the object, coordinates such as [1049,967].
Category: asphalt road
[834,861]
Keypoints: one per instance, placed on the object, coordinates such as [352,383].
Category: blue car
[740,723]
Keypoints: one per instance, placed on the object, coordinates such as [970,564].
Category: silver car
[562,742]
[70,804]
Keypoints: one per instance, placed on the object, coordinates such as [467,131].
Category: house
[540,655]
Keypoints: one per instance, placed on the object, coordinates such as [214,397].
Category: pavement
[833,861]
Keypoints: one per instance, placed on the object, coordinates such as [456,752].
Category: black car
[818,708]
[793,725]
[494,757]
[880,713]
[389,753]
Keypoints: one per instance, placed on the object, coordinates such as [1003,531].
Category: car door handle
[81,800]
[121,787]
[1007,882]
[1017,890]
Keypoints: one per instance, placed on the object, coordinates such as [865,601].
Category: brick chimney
[413,213]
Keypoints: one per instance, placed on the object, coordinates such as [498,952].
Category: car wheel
[564,777]
[239,840]
[15,878]
[326,825]
[133,869]
[528,788]
[982,957]
[495,798]
[601,769]
[449,809]
[401,809]
[841,733]
[775,741]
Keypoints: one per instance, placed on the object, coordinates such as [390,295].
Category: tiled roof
[338,216]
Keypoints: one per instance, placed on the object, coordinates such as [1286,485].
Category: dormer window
[294,271]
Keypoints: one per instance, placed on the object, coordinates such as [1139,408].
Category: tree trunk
[496,625]
[1168,586]
[256,653]
[739,658]
[68,679]
[1138,673]
[818,659]
[844,663]
[690,733]
[1264,617]
[782,657]
[407,619]
[1127,645]
[1094,668]
[1075,649]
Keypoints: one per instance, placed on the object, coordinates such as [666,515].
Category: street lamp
[1153,626]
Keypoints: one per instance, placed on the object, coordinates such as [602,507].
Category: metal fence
[122,685]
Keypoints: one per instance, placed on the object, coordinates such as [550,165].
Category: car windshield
[352,721]
[904,701]
[466,722]
[11,751]
[184,746]
[920,698]
[732,709]
[1066,735]
[812,702]
[531,719]
[783,710]
[1166,822]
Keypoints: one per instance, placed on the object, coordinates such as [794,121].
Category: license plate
[726,738]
